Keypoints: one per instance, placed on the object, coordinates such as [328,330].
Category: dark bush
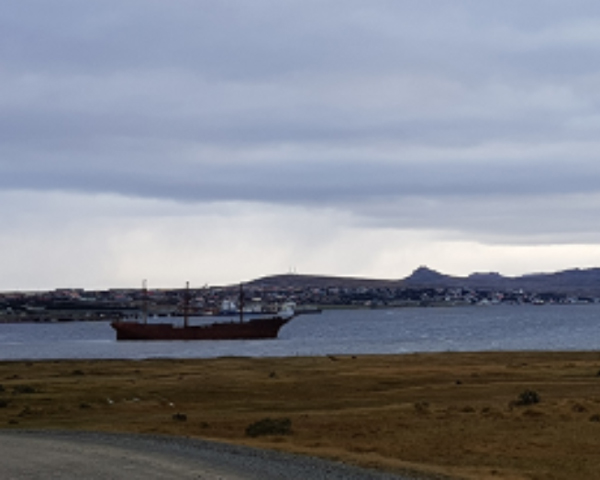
[3,403]
[528,397]
[180,417]
[21,389]
[270,426]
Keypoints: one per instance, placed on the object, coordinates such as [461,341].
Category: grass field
[462,415]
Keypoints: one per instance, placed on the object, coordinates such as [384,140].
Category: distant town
[310,294]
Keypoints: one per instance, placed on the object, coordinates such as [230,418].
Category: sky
[220,141]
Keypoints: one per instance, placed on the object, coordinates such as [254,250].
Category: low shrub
[22,389]
[270,426]
[421,407]
[528,397]
[180,417]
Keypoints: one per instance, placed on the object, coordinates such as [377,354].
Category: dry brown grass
[436,413]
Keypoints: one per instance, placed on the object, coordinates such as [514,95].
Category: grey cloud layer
[364,106]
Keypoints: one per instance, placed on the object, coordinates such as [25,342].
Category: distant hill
[583,281]
[318,281]
[574,281]
[425,277]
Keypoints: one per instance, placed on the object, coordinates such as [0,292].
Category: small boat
[257,328]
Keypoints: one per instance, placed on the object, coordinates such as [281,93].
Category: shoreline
[99,316]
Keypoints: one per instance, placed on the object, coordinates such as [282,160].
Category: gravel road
[26,455]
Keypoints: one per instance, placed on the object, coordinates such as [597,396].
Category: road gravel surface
[34,455]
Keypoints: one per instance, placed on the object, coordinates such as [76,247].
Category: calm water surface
[406,330]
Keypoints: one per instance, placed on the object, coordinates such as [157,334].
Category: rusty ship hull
[259,328]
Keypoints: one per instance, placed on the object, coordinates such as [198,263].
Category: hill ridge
[581,280]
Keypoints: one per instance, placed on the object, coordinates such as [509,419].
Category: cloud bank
[457,124]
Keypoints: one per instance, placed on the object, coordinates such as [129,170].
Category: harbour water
[403,330]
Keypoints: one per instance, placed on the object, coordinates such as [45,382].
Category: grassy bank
[464,415]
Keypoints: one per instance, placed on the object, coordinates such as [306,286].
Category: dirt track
[66,456]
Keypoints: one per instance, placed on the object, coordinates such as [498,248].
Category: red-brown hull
[251,330]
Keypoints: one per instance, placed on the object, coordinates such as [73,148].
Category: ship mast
[186,304]
[145,300]
[241,303]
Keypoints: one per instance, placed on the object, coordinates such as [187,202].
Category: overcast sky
[219,141]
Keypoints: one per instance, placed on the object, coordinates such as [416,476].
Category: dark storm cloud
[347,104]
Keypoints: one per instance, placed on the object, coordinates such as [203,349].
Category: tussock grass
[269,426]
[435,413]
